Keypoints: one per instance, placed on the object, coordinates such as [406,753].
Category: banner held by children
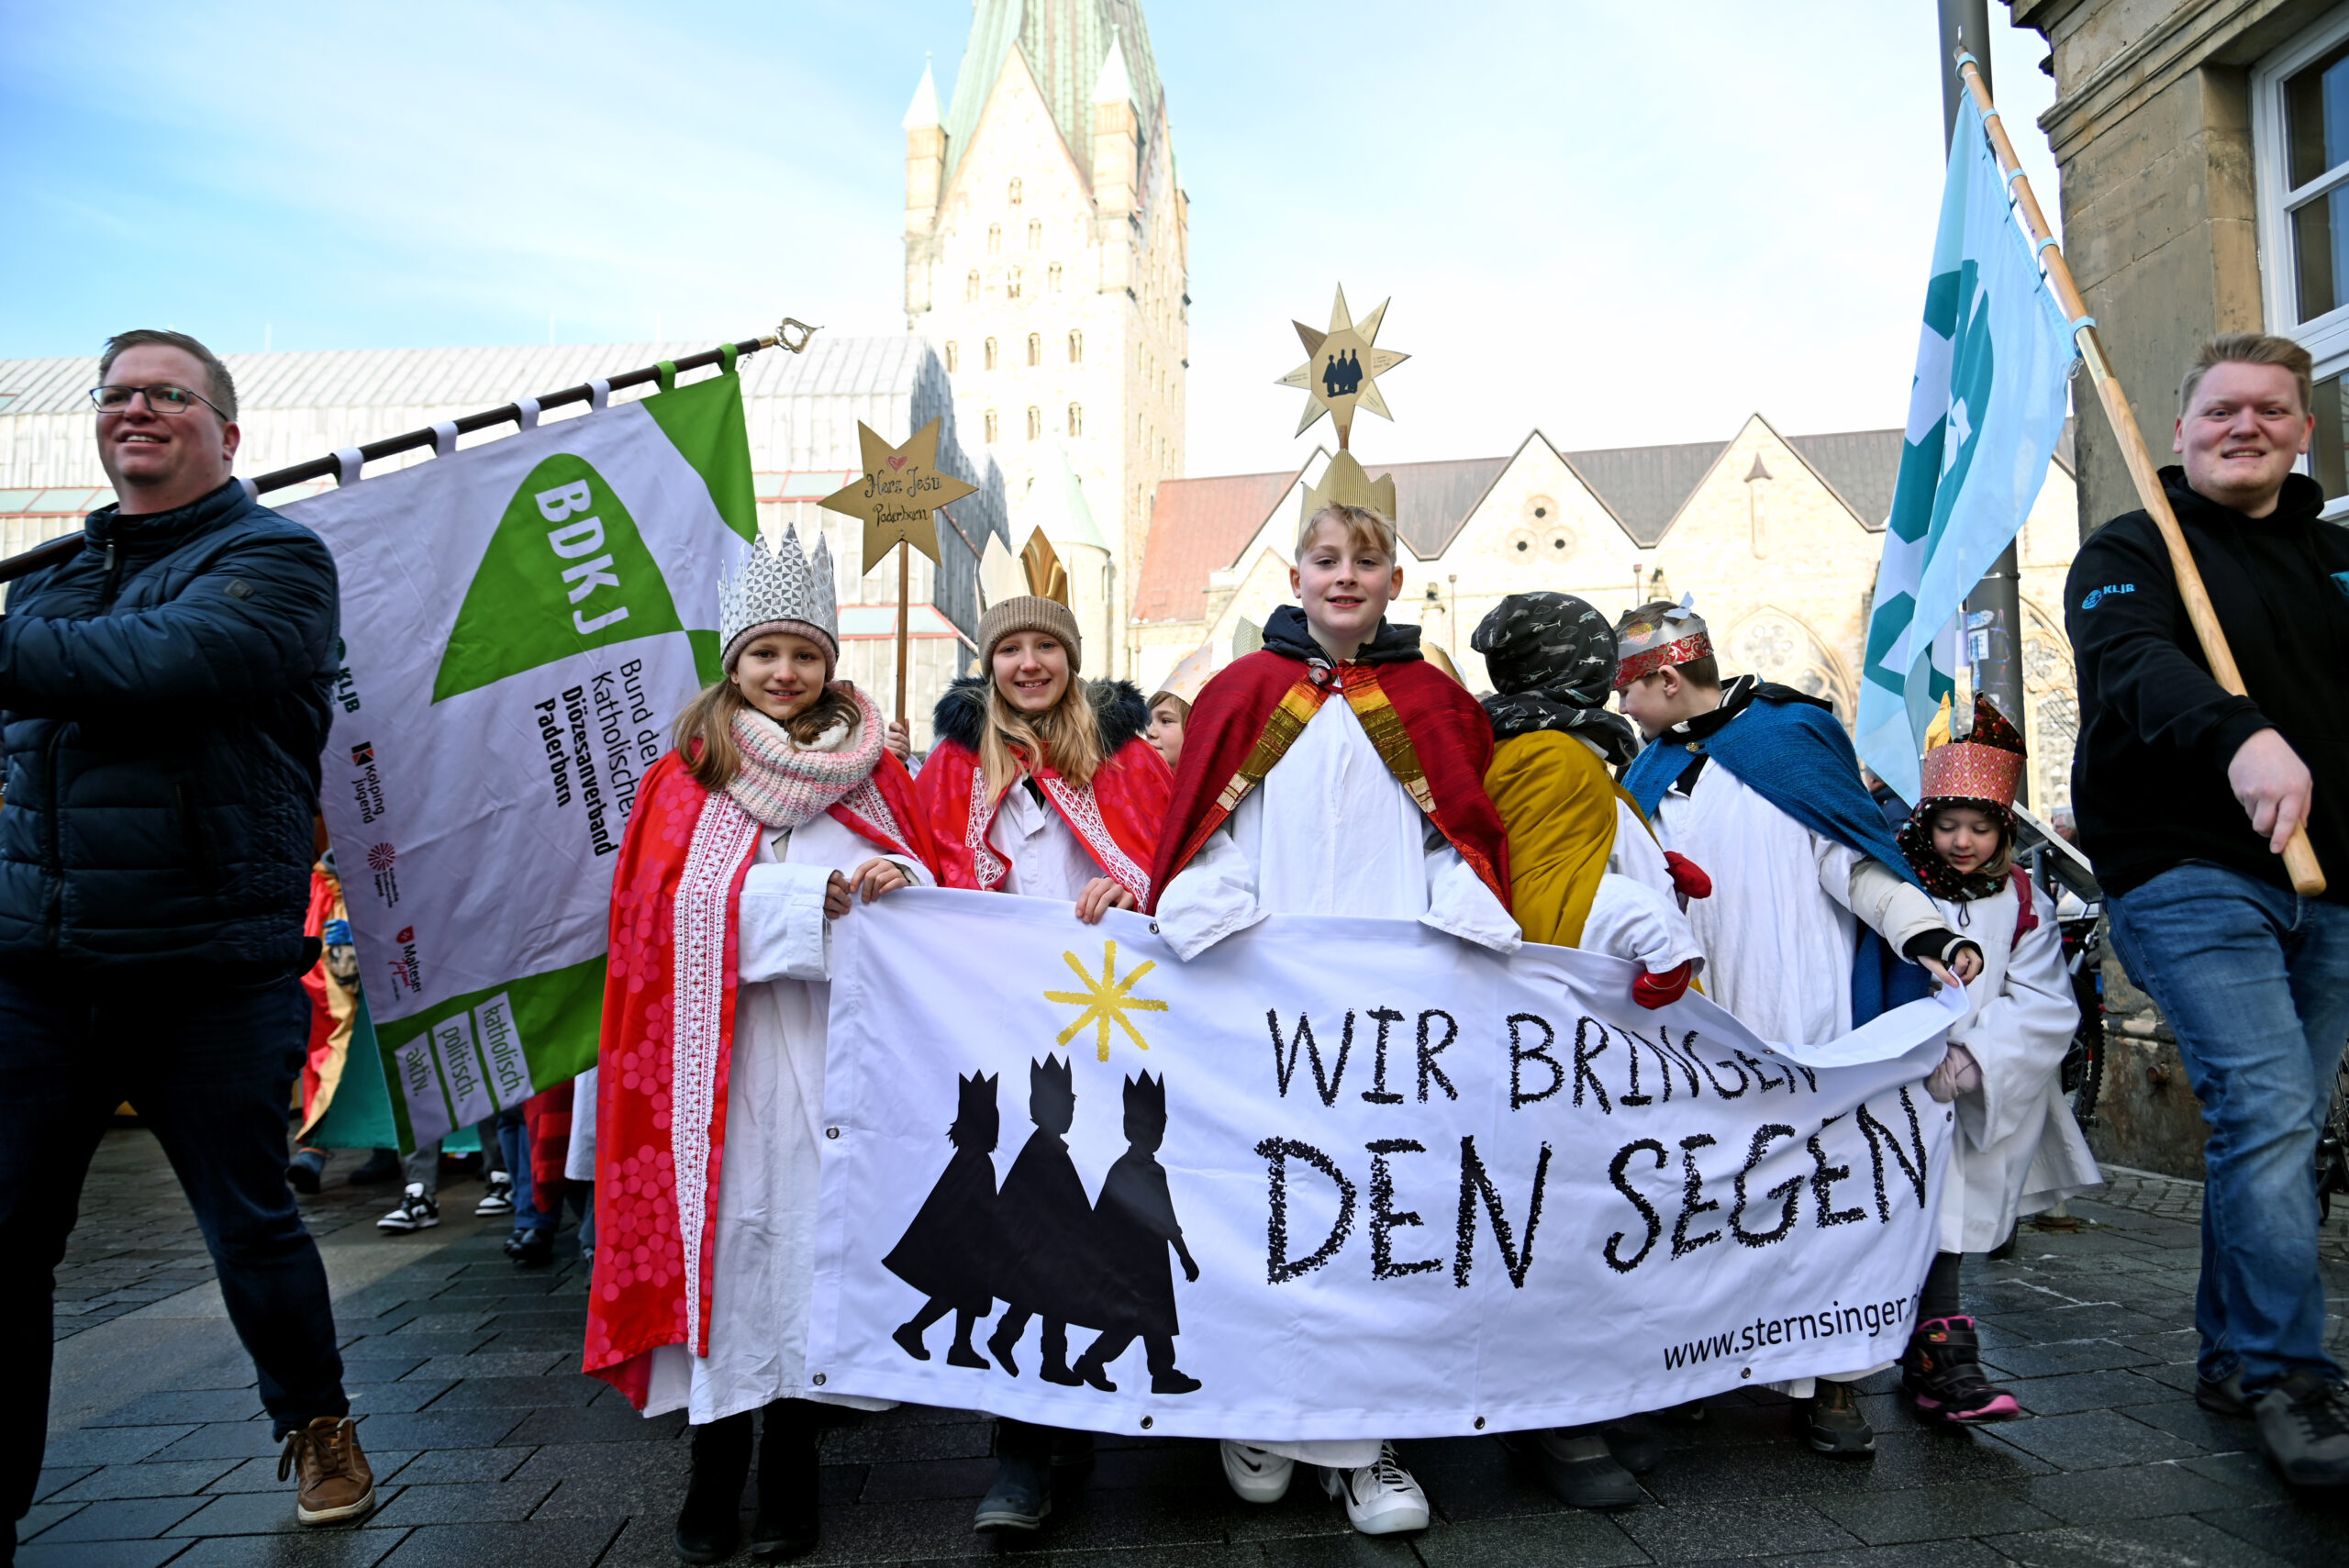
[1341,1178]
[521,621]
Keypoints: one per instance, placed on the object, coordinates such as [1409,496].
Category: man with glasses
[163,700]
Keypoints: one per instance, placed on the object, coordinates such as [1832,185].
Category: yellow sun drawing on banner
[1106,1000]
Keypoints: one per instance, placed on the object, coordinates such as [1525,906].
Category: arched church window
[949,358]
[1076,348]
[1015,192]
[1035,423]
[971,288]
[1035,234]
[990,353]
[1056,276]
[991,427]
[994,238]
[1011,284]
[1075,420]
[1035,348]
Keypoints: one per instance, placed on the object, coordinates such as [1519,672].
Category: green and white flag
[1993,362]
[521,622]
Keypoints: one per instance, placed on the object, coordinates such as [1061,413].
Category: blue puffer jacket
[163,705]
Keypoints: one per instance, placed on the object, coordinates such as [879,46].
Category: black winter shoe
[2304,1429]
[1020,1499]
[304,1171]
[1574,1463]
[710,1522]
[533,1250]
[786,1525]
[2223,1398]
[1636,1441]
[1942,1370]
[1836,1428]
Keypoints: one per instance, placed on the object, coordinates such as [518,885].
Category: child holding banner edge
[1412,836]
[779,809]
[1043,786]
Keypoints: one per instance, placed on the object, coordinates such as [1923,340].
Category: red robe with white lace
[668,1038]
[1115,816]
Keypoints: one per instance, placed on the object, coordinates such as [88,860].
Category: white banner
[1427,1191]
[521,621]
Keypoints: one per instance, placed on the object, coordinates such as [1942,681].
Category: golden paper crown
[1344,484]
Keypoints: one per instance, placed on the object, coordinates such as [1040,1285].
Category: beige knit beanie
[1030,613]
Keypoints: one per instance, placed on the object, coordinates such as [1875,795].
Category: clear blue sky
[1620,224]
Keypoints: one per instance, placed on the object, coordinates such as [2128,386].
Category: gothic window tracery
[1075,420]
[994,238]
[1035,348]
[991,354]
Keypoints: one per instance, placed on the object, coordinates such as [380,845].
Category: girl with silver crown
[781,808]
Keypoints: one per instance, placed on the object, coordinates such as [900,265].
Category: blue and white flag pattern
[1994,359]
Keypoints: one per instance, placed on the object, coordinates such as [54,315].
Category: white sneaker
[1256,1474]
[416,1211]
[1381,1497]
[499,1198]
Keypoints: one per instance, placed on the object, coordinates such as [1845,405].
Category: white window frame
[2326,338]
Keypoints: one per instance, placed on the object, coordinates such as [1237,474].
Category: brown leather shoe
[336,1482]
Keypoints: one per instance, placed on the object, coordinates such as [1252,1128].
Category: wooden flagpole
[2300,856]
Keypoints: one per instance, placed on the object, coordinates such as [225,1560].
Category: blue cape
[1794,755]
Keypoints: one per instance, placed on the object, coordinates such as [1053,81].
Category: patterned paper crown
[1986,765]
[780,590]
[1646,641]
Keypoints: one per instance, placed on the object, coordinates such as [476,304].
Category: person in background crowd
[333,986]
[1813,903]
[2017,1149]
[780,808]
[2186,795]
[163,700]
[579,1158]
[1895,809]
[420,1205]
[1170,706]
[1285,804]
[1041,784]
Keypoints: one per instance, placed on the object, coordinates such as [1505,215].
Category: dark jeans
[212,1074]
[2255,981]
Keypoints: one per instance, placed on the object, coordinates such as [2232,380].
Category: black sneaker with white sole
[418,1211]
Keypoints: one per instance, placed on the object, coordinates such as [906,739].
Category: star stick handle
[905,635]
[2300,856]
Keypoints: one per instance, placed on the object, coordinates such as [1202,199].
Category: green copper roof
[1065,42]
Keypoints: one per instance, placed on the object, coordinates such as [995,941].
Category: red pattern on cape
[1130,790]
[1447,727]
[637,1301]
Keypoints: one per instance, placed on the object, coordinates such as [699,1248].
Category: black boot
[785,1523]
[711,1520]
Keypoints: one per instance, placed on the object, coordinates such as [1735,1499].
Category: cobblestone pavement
[492,1452]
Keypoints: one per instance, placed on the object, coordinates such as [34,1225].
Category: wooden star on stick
[899,490]
[1341,370]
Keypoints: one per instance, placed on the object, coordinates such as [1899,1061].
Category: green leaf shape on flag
[704,422]
[565,572]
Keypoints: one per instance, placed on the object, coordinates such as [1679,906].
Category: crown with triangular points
[780,590]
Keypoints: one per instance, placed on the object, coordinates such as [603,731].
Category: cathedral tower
[1045,259]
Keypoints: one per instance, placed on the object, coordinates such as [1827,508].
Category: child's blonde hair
[1365,529]
[1065,736]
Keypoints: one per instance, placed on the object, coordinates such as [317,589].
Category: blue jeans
[513,1143]
[2255,981]
[212,1074]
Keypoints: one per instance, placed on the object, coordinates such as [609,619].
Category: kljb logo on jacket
[2098,596]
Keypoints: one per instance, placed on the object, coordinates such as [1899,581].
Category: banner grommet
[1147,1423]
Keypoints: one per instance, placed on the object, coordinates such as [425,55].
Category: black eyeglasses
[162,397]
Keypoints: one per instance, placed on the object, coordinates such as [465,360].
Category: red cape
[638,1300]
[1440,757]
[1116,817]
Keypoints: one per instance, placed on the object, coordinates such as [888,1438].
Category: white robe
[765,1272]
[1045,857]
[1329,832]
[2018,1150]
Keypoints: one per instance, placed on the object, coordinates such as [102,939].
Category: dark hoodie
[2149,778]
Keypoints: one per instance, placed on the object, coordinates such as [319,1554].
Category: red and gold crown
[1646,641]
[1986,765]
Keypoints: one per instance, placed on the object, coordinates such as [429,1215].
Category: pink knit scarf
[785,784]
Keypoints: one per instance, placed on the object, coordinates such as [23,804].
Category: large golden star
[1105,1001]
[1342,369]
[896,492]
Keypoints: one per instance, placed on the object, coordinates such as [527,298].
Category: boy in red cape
[1335,771]
[779,809]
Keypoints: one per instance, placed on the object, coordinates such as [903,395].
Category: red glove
[1689,878]
[1653,990]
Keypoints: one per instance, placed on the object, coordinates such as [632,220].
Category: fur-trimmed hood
[1120,713]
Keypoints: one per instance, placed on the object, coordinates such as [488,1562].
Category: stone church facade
[1045,262]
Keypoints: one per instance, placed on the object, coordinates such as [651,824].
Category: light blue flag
[1994,359]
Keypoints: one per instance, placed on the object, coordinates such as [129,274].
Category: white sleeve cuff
[1460,905]
[1632,920]
[784,935]
[1209,899]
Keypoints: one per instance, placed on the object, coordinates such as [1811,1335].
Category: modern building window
[1015,192]
[990,353]
[971,288]
[2301,148]
[949,358]
[1076,348]
[1035,348]
[1035,423]
[1035,234]
[1056,276]
[1075,420]
[991,427]
[994,238]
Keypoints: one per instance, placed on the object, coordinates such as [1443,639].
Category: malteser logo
[367,789]
[380,859]
[407,974]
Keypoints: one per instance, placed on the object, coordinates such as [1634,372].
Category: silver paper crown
[779,585]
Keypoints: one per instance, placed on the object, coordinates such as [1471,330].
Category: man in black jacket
[162,704]
[2186,795]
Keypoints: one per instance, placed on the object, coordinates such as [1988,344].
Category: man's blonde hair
[2249,348]
[1365,529]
